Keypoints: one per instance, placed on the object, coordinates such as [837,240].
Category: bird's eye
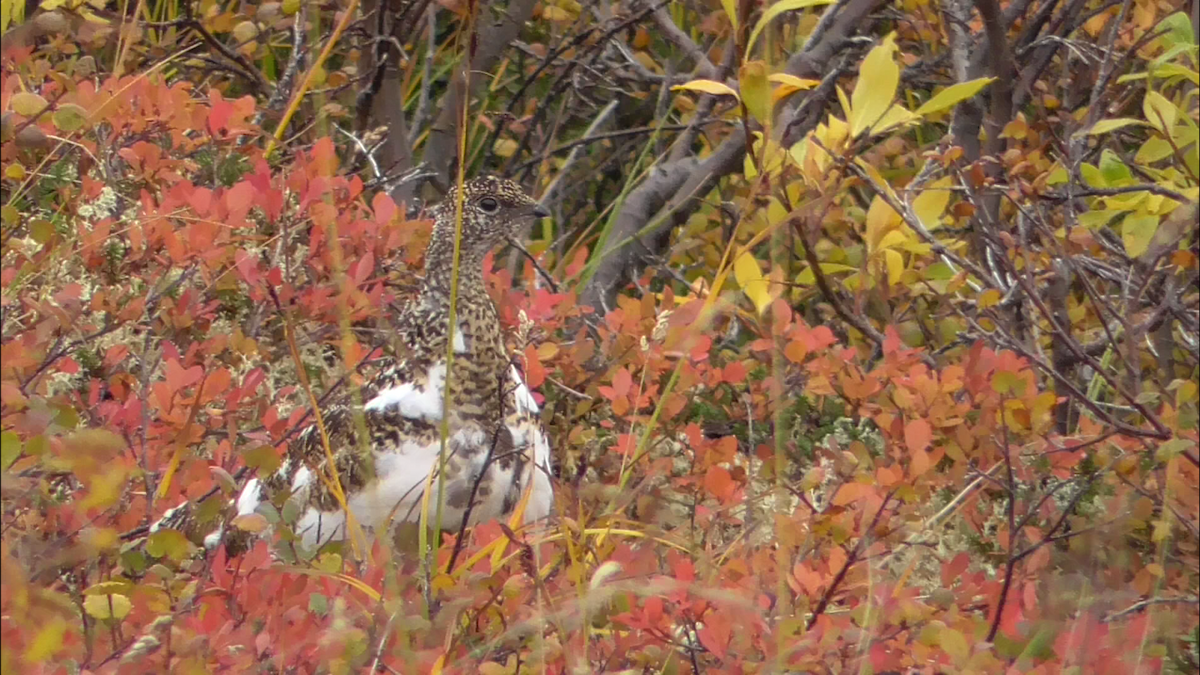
[489,205]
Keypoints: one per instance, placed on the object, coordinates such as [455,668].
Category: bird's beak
[540,211]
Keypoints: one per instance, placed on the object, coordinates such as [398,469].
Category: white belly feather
[400,474]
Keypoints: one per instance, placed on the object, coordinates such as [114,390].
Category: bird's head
[493,211]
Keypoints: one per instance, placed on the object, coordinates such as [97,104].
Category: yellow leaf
[1159,111]
[896,116]
[881,219]
[896,238]
[931,204]
[756,91]
[750,278]
[952,95]
[771,156]
[552,13]
[47,642]
[107,606]
[1137,231]
[895,265]
[774,11]
[876,87]
[708,87]
[989,298]
[792,81]
[253,523]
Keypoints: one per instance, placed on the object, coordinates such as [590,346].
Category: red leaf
[734,373]
[622,383]
[952,570]
[719,483]
[535,373]
[715,634]
[239,199]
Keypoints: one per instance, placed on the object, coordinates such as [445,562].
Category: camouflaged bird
[495,448]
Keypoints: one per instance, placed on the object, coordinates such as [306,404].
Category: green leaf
[953,95]
[708,87]
[318,604]
[876,87]
[1137,231]
[774,11]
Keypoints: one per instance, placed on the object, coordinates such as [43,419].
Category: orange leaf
[918,435]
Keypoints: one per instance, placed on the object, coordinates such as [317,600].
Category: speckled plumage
[495,447]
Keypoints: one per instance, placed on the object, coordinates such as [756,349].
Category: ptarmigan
[495,448]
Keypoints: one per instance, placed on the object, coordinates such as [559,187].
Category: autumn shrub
[890,401]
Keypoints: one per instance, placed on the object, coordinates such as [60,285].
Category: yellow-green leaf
[756,91]
[876,87]
[1154,149]
[505,147]
[1137,231]
[169,543]
[1159,112]
[70,117]
[1105,126]
[10,449]
[808,278]
[708,87]
[108,588]
[774,11]
[731,11]
[955,644]
[329,562]
[27,103]
[107,606]
[750,278]
[953,95]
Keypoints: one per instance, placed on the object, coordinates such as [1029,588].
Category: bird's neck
[439,271]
